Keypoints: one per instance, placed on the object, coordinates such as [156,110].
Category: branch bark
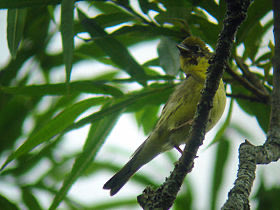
[164,196]
[274,131]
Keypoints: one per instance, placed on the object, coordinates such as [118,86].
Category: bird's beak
[183,48]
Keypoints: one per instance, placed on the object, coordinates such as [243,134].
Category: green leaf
[147,31]
[217,11]
[266,57]
[117,52]
[113,204]
[6,204]
[51,12]
[267,197]
[27,162]
[29,199]
[222,155]
[8,4]
[15,27]
[178,10]
[14,111]
[105,7]
[199,26]
[127,35]
[169,56]
[113,19]
[96,137]
[152,62]
[147,5]
[109,19]
[257,10]
[131,102]
[124,4]
[152,95]
[185,199]
[252,42]
[147,118]
[259,110]
[241,130]
[54,127]
[67,33]
[61,89]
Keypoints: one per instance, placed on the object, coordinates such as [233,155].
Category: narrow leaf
[6,204]
[114,204]
[147,118]
[132,103]
[113,19]
[147,5]
[148,32]
[259,110]
[96,137]
[61,89]
[15,26]
[67,33]
[54,127]
[169,56]
[185,199]
[29,199]
[112,47]
[222,155]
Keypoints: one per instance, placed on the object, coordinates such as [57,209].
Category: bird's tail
[139,158]
[120,178]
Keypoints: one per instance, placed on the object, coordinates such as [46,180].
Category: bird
[175,121]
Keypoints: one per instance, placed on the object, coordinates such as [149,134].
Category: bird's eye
[195,48]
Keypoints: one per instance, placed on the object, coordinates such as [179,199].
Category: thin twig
[257,92]
[249,75]
[240,96]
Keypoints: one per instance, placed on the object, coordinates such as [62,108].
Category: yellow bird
[172,128]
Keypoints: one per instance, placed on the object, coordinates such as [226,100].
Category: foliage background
[41,108]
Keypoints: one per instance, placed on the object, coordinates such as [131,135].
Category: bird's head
[192,51]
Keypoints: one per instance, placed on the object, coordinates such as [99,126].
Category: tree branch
[250,76]
[238,197]
[249,155]
[274,132]
[164,196]
[245,97]
[263,96]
